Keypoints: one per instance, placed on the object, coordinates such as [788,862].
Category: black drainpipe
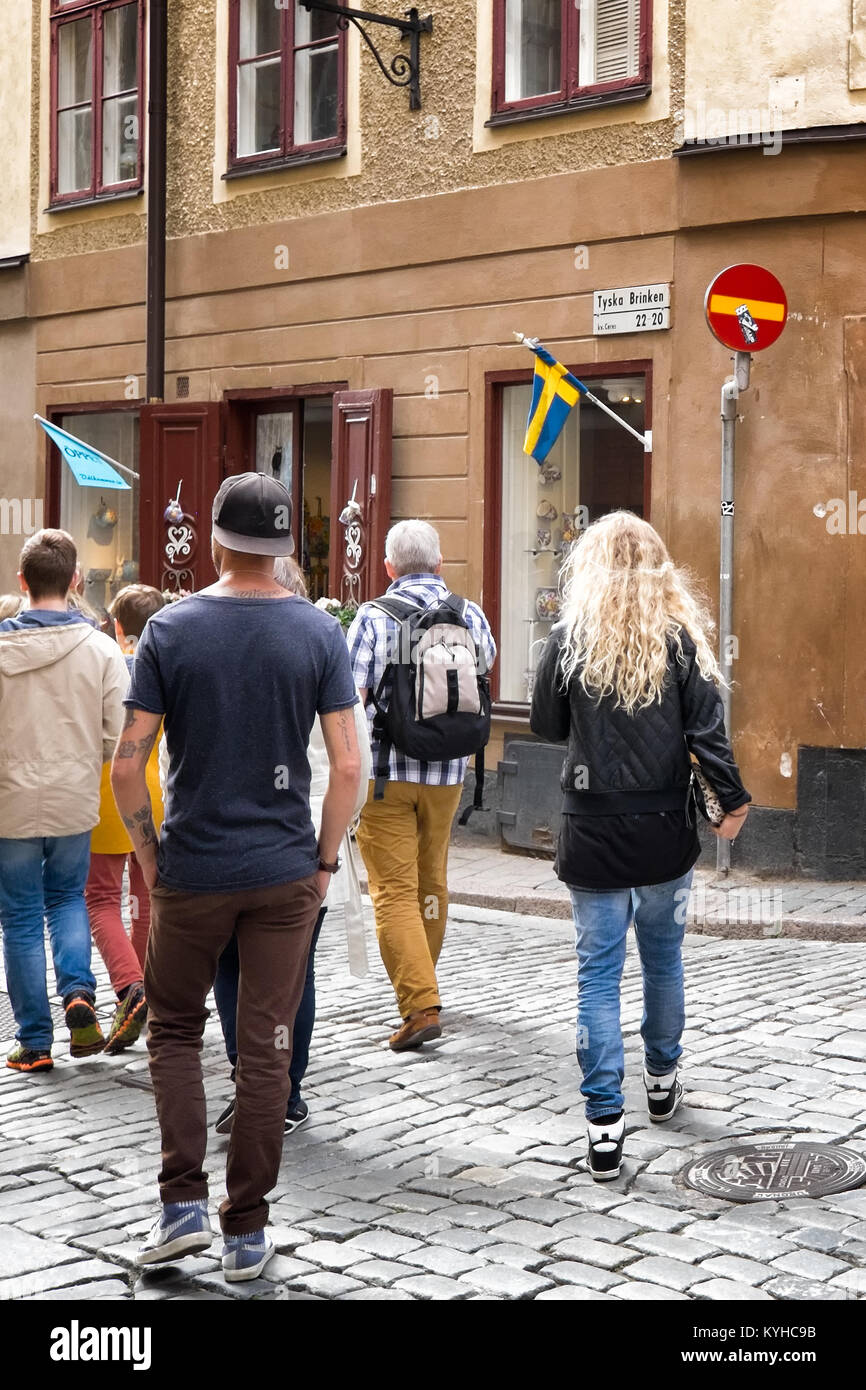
[156,155]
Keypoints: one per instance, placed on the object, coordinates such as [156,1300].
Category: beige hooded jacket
[61,693]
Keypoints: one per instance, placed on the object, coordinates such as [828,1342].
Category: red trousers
[124,958]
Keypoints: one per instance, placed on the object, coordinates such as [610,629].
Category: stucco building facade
[341,312]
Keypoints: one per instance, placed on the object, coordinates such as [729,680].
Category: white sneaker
[244,1257]
[182,1229]
[604,1158]
[663,1095]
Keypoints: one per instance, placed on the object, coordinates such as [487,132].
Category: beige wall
[805,60]
[15,39]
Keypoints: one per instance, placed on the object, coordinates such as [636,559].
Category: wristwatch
[330,868]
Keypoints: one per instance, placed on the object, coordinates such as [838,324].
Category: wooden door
[361,448]
[181,451]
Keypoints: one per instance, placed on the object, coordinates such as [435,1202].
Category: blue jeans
[225,992]
[602,921]
[43,880]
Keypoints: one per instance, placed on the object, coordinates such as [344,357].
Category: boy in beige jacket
[62,684]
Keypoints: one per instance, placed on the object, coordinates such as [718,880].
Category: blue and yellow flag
[554,392]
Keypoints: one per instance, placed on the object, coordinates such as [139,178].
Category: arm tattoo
[129,718]
[344,727]
[129,748]
[142,821]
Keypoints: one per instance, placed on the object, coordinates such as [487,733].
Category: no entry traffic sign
[746,308]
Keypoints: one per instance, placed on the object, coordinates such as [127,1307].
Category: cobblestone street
[457,1173]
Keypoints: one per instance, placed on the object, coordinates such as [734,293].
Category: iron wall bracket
[403,70]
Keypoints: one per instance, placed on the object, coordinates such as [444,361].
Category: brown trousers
[188,933]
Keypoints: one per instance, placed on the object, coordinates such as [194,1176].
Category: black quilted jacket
[628,763]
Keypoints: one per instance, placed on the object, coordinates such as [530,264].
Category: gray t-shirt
[239,682]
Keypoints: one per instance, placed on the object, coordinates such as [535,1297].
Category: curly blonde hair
[623,597]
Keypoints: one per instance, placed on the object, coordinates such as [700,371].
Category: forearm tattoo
[130,747]
[141,827]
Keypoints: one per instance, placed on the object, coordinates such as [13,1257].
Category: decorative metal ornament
[403,70]
[105,516]
[173,513]
[770,1172]
[179,543]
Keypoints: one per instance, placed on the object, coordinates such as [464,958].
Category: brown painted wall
[422,296]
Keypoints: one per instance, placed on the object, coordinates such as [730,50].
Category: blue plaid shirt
[371,637]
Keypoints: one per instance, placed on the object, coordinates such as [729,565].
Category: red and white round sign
[746,308]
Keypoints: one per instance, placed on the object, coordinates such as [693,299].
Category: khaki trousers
[404,840]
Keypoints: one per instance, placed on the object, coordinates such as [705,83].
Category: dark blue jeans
[42,881]
[225,991]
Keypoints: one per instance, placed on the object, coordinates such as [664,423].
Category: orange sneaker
[29,1059]
[419,1028]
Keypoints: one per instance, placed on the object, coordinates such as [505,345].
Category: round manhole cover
[770,1171]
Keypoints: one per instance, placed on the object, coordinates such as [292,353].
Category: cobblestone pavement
[456,1173]
[480,874]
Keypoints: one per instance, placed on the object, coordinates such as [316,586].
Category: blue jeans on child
[225,990]
[42,880]
[602,920]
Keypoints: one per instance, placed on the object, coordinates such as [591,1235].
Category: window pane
[107,549]
[259,106]
[120,50]
[260,23]
[74,149]
[533,42]
[120,139]
[316,72]
[313,24]
[274,434]
[75,62]
[593,468]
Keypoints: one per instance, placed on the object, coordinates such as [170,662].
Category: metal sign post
[730,395]
[746,309]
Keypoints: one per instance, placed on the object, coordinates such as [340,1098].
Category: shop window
[292,443]
[96,83]
[103,523]
[555,54]
[286,83]
[595,467]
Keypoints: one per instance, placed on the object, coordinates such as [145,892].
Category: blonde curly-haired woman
[629,678]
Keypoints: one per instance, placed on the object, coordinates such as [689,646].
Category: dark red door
[181,454]
[361,475]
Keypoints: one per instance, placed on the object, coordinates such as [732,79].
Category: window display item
[543,537]
[105,516]
[546,510]
[547,604]
[549,473]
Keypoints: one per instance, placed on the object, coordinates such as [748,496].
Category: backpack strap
[397,608]
[476,802]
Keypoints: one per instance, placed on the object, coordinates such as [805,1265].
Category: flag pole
[121,467]
[645,439]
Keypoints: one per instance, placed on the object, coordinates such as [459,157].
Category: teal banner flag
[91,468]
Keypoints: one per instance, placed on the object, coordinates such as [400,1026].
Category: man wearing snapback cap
[238,672]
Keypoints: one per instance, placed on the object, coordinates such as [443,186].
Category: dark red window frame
[289,152]
[492,559]
[64,12]
[570,96]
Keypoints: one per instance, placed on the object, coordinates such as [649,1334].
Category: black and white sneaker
[296,1114]
[224,1123]
[604,1158]
[663,1095]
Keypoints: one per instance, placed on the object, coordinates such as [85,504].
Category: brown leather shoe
[419,1028]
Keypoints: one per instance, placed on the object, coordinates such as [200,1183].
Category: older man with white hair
[405,832]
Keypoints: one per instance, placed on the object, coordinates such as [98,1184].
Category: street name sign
[633,309]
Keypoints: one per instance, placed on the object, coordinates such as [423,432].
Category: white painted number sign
[634,309]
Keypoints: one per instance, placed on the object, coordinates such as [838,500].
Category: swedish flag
[554,393]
